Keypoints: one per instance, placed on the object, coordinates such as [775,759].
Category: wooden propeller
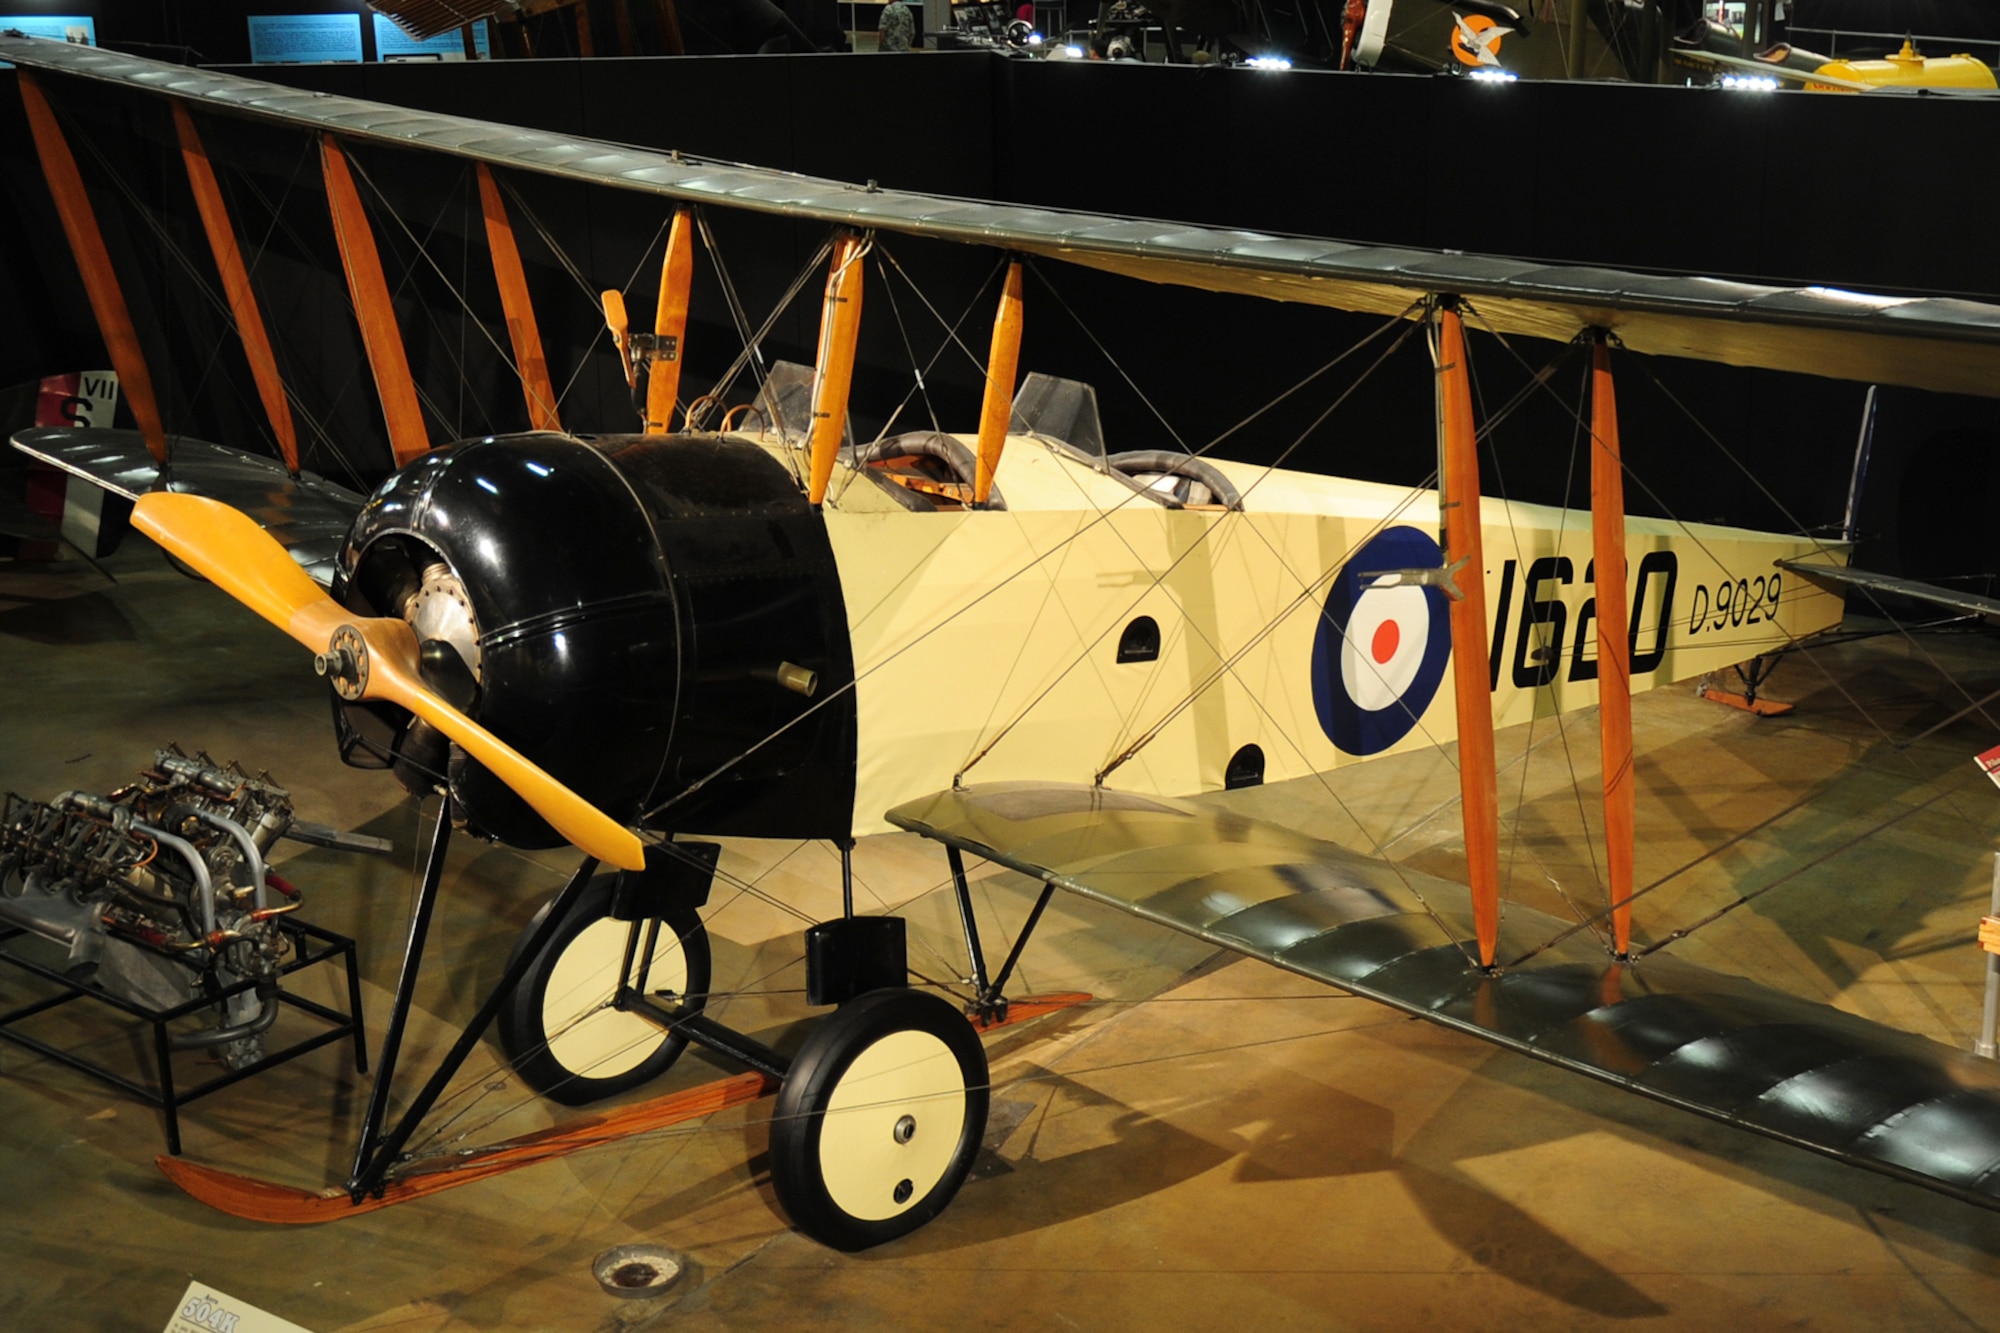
[366,658]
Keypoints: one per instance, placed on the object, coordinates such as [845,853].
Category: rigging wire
[753,348]
[1869,593]
[691,1130]
[951,336]
[1130,383]
[591,294]
[554,247]
[841,691]
[1518,845]
[315,426]
[455,429]
[978,366]
[215,300]
[909,351]
[753,351]
[1202,537]
[476,1091]
[1308,590]
[1695,537]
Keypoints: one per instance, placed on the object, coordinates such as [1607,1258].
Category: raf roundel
[1380,652]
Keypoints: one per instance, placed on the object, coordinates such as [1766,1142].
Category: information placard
[305,39]
[203,1309]
[392,43]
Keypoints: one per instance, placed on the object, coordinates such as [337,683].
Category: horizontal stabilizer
[1971,603]
[1744,1054]
[308,515]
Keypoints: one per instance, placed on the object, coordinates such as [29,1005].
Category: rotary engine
[159,891]
[656,621]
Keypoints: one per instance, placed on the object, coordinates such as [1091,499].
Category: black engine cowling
[633,613]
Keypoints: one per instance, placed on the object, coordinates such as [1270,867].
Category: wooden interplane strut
[670,317]
[518,306]
[1459,498]
[1002,366]
[1614,656]
[833,375]
[93,261]
[390,364]
[236,285]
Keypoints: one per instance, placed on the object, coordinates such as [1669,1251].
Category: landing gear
[879,1118]
[570,1027]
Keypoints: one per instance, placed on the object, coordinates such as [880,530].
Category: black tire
[557,1027]
[879,1119]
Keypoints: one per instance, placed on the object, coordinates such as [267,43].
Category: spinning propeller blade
[366,657]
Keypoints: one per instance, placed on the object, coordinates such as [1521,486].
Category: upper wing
[1704,1041]
[1929,343]
[308,515]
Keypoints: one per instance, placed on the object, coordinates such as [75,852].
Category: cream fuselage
[986,643]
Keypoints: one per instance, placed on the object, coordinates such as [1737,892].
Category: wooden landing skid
[1749,704]
[263,1201]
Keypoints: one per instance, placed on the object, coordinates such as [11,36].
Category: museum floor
[1211,1144]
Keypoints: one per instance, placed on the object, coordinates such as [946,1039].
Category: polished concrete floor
[1211,1144]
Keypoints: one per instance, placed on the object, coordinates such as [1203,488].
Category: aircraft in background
[1013,640]
[1646,43]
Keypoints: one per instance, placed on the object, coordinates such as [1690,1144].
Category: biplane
[628,642]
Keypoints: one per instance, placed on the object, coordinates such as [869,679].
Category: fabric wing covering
[1745,1054]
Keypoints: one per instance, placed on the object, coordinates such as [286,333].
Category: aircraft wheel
[879,1119]
[558,1027]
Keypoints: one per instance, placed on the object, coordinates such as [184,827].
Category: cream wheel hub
[892,1125]
[585,1033]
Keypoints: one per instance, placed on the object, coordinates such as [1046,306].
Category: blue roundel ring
[1353,725]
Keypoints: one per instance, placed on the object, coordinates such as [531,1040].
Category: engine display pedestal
[311,945]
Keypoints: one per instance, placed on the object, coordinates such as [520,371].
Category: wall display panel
[294,39]
[78,28]
[392,44]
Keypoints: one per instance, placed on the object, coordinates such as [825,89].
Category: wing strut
[1002,364]
[236,283]
[1458,497]
[839,324]
[100,280]
[390,364]
[1614,649]
[670,318]
[522,331]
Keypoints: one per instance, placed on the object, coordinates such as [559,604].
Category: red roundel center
[1387,636]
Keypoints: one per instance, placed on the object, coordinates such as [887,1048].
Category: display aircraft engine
[159,892]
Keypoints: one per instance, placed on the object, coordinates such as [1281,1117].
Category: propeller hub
[345,663]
